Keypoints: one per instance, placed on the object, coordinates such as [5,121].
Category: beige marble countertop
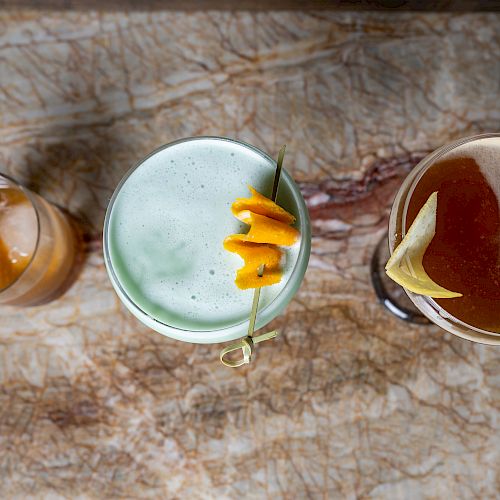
[349,402]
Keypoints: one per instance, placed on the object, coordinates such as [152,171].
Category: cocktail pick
[246,344]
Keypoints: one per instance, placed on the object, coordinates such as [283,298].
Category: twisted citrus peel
[405,265]
[269,227]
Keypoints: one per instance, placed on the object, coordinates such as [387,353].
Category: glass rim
[31,198]
[420,170]
[294,280]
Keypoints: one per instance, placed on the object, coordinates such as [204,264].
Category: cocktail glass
[39,247]
[127,289]
[422,309]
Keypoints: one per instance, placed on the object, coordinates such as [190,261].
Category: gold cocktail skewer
[246,344]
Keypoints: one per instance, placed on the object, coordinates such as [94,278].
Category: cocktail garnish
[269,226]
[259,204]
[405,265]
[254,255]
[242,248]
[266,230]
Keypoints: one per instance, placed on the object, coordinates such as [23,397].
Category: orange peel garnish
[259,204]
[266,230]
[269,226]
[254,255]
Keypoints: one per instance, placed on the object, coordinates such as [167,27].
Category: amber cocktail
[38,247]
[464,254]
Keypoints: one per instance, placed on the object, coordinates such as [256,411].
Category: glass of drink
[464,254]
[163,239]
[38,247]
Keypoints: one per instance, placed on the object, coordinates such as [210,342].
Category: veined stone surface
[348,402]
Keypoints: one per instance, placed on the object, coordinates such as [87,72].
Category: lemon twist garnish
[405,265]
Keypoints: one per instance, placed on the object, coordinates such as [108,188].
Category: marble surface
[348,402]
